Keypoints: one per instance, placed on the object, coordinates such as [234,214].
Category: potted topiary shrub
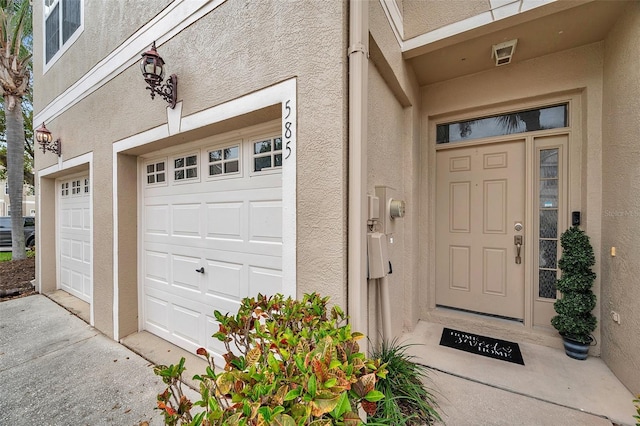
[574,321]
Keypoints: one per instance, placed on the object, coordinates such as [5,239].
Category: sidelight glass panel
[548,163]
[547,284]
[548,253]
[548,193]
[549,223]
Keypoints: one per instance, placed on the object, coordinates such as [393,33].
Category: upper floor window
[63,21]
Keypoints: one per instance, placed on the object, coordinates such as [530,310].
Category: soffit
[579,25]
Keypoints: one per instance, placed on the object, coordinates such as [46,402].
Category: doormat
[482,345]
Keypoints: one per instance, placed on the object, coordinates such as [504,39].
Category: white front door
[74,237]
[480,200]
[212,235]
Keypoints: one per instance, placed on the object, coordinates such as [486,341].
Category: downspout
[357,221]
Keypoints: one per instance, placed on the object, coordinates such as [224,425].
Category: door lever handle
[201,270]
[517,240]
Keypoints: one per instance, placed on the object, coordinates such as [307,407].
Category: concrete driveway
[57,370]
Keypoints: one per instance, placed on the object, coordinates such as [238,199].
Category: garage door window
[75,187]
[224,161]
[185,168]
[64,191]
[86,186]
[267,154]
[156,173]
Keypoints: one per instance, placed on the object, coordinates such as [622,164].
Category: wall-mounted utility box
[377,255]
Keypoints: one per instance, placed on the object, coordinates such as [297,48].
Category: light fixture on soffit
[503,52]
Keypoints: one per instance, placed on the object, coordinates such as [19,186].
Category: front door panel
[480,199]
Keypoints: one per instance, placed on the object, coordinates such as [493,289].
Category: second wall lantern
[152,66]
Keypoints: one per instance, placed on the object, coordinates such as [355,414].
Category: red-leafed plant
[287,362]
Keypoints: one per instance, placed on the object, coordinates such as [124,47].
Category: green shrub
[637,403]
[575,320]
[288,362]
[406,399]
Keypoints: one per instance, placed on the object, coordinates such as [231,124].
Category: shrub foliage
[407,401]
[574,319]
[287,362]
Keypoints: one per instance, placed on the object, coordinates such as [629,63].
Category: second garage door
[212,234]
[74,237]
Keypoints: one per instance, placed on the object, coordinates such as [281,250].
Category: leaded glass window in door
[548,238]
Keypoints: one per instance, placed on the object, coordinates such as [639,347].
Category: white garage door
[74,237]
[212,234]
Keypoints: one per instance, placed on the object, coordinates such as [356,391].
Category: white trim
[498,10]
[61,166]
[173,19]
[283,93]
[395,18]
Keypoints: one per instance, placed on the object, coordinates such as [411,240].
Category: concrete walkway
[57,370]
[550,389]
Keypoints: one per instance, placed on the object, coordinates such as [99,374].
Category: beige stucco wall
[105,26]
[219,58]
[392,161]
[620,201]
[577,71]
[422,16]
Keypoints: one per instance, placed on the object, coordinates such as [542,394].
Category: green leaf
[330,383]
[374,396]
[342,407]
[311,386]
[293,394]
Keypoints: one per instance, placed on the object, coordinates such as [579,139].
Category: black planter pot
[574,349]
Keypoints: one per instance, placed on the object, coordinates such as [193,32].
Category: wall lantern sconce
[152,66]
[503,52]
[45,139]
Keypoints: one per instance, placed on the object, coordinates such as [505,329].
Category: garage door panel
[187,323]
[224,278]
[86,255]
[156,219]
[156,266]
[265,221]
[157,312]
[77,251]
[184,273]
[264,281]
[77,219]
[185,220]
[224,221]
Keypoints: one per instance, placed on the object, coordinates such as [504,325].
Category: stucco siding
[620,201]
[422,16]
[387,138]
[105,28]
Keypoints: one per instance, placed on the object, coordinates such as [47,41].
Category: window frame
[63,46]
[197,167]
[272,154]
[224,175]
[155,163]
